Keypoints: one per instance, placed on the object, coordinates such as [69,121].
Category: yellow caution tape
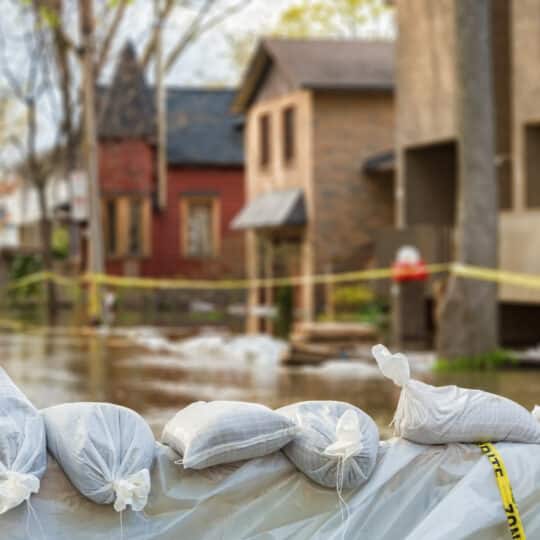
[457,269]
[497,276]
[513,518]
[158,283]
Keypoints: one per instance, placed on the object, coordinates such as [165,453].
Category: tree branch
[150,48]
[199,27]
[111,33]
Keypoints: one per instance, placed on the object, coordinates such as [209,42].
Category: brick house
[319,124]
[191,236]
[427,147]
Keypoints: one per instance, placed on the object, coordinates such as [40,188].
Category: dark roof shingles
[201,128]
[126,106]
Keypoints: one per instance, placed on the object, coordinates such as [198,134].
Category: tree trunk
[39,182]
[95,255]
[468,325]
[45,231]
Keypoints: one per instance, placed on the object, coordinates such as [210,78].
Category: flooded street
[55,367]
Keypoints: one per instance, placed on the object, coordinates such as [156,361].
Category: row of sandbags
[107,451]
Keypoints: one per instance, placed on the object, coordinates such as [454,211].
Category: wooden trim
[184,214]
[122,226]
[216,226]
[146,227]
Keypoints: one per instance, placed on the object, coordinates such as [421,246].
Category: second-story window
[288,124]
[264,140]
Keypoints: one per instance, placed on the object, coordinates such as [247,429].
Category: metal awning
[275,209]
[384,162]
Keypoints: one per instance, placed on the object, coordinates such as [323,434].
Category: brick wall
[348,205]
[126,166]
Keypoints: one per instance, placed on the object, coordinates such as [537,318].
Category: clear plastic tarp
[416,492]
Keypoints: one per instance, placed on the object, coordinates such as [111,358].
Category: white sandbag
[216,432]
[337,443]
[23,451]
[447,414]
[105,450]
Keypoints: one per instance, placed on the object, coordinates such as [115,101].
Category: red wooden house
[191,236]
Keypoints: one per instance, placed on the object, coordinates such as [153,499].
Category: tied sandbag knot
[347,445]
[16,488]
[348,441]
[132,491]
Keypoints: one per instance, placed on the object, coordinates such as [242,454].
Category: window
[127,226]
[288,122]
[135,240]
[200,224]
[264,140]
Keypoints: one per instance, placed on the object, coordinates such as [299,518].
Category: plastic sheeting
[416,492]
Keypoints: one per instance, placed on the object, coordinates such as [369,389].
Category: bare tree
[468,322]
[33,89]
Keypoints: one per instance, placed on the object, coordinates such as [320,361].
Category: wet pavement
[56,367]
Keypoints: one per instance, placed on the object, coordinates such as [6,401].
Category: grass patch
[500,358]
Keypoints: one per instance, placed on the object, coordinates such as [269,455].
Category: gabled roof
[126,107]
[320,64]
[201,128]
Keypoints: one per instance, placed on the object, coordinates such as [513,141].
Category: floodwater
[54,367]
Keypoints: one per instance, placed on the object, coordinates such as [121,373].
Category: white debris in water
[345,369]
[213,346]
[257,349]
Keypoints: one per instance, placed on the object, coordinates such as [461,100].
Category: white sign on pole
[79,190]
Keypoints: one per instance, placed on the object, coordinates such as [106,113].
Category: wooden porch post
[253,275]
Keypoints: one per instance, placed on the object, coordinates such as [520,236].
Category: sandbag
[218,432]
[336,445]
[105,450]
[23,451]
[449,414]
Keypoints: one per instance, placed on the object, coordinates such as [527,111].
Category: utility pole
[95,244]
[161,111]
